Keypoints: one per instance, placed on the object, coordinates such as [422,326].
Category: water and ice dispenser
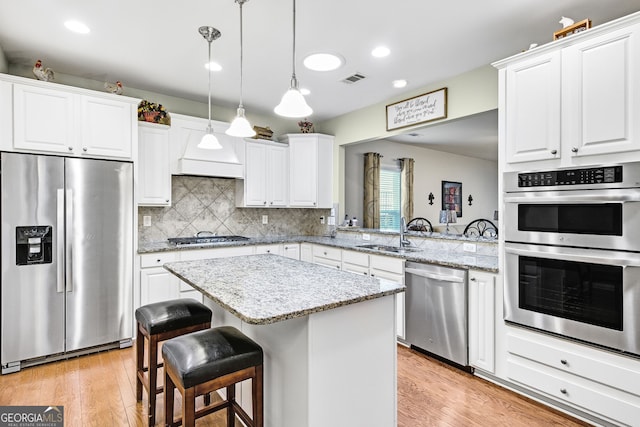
[34,244]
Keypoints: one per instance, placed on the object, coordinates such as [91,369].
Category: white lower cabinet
[391,268]
[275,249]
[291,250]
[306,252]
[600,383]
[482,320]
[328,256]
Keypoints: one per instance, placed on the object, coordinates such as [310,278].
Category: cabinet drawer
[353,268]
[355,258]
[577,361]
[392,265]
[327,252]
[576,391]
[157,259]
[327,262]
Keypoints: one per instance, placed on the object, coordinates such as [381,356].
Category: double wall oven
[572,253]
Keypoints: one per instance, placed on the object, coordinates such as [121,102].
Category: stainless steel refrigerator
[67,254]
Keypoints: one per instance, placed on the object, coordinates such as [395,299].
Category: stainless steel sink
[386,248]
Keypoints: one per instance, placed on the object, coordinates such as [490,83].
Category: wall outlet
[265,219]
[469,247]
[366,236]
[321,220]
[146,220]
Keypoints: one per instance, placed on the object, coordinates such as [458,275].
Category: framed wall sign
[419,109]
[452,197]
[578,27]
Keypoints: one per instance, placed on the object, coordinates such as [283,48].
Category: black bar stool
[202,362]
[159,322]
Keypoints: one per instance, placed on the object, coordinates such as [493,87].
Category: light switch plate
[469,247]
[366,236]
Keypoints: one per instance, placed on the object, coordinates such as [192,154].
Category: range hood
[227,162]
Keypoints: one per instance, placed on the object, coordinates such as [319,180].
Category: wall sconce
[431,197]
[470,199]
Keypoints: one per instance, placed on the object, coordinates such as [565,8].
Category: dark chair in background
[482,228]
[419,224]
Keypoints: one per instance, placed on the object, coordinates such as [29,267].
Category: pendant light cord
[209,99]
[294,80]
[241,2]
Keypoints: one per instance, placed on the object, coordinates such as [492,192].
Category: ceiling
[155,46]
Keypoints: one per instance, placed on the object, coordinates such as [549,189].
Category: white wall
[479,178]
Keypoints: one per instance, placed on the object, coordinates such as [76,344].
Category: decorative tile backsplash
[208,204]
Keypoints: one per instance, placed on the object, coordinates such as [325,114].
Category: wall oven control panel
[597,175]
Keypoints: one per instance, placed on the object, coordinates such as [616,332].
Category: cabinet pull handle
[268,251]
[574,150]
[70,148]
[554,152]
[563,361]
[563,390]
[473,279]
[167,200]
[271,203]
[338,267]
[84,149]
[265,202]
[158,261]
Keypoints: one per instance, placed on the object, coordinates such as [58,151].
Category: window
[389,199]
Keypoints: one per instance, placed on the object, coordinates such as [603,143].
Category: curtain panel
[406,188]
[371,190]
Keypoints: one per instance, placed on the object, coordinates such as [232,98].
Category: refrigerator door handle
[60,226]
[69,240]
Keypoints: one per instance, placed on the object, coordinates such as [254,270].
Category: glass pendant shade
[209,141]
[293,104]
[240,126]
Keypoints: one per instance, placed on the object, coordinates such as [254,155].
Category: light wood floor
[99,390]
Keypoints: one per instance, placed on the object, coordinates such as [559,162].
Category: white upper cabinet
[310,170]
[154,177]
[601,93]
[266,175]
[51,118]
[533,114]
[575,101]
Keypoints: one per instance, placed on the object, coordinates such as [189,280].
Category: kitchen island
[329,337]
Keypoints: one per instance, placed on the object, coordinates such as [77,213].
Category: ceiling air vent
[353,78]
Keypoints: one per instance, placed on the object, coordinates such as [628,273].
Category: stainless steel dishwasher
[436,310]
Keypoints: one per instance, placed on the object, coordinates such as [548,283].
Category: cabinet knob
[270,203]
[70,148]
[563,390]
[564,362]
[167,200]
[554,152]
[473,279]
[338,267]
[265,202]
[84,149]
[325,253]
[268,251]
[158,261]
[574,150]
[364,272]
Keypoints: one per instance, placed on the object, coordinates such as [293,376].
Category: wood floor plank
[99,390]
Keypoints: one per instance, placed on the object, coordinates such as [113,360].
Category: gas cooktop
[185,241]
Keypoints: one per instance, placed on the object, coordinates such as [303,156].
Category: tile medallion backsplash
[208,204]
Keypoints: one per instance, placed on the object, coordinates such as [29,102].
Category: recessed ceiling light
[304,91]
[323,62]
[76,27]
[399,83]
[380,52]
[213,66]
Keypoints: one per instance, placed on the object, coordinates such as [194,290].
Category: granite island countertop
[433,255]
[263,289]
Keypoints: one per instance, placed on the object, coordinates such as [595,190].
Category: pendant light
[293,103]
[209,140]
[240,125]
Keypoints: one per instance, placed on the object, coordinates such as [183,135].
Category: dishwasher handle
[429,275]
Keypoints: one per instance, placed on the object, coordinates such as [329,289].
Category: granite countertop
[263,289]
[440,257]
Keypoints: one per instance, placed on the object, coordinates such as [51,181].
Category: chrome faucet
[403,229]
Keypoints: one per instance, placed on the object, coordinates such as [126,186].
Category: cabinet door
[255,181]
[400,298]
[157,284]
[278,176]
[533,109]
[306,252]
[43,120]
[482,320]
[303,167]
[601,93]
[6,116]
[106,127]
[291,250]
[154,177]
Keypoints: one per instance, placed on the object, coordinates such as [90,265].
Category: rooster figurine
[114,87]
[566,22]
[41,73]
